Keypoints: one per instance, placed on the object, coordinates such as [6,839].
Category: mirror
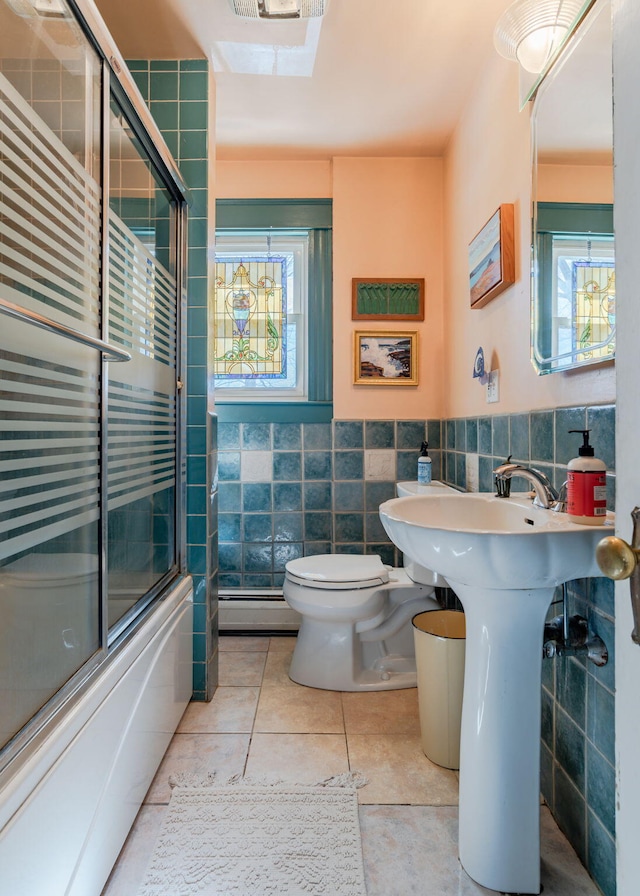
[573,272]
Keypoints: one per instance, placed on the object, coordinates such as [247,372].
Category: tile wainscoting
[287,490]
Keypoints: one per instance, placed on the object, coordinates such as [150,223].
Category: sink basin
[503,557]
[495,542]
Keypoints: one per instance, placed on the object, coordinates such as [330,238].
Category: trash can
[439,637]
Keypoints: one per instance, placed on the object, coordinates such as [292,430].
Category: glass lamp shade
[536,49]
[531,31]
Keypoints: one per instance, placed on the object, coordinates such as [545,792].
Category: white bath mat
[246,839]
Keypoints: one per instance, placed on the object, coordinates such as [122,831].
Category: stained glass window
[250,316]
[259,306]
[585,286]
[594,294]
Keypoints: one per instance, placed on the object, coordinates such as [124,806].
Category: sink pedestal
[499,829]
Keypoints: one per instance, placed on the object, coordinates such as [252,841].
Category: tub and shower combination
[95,607]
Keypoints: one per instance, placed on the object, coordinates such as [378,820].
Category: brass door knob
[616,558]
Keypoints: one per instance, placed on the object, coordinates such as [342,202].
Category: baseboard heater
[249,611]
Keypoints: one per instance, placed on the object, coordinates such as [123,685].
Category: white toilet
[355,630]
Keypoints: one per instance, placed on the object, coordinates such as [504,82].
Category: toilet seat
[338,572]
[337,586]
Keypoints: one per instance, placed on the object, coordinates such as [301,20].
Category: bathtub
[67,810]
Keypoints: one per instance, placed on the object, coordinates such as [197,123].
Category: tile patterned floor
[263,725]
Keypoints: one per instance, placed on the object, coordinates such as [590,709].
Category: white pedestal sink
[503,557]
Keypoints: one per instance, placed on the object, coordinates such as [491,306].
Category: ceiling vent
[279,9]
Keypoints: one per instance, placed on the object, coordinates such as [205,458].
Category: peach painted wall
[273,180]
[575,183]
[488,163]
[387,222]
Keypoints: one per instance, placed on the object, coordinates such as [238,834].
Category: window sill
[274,411]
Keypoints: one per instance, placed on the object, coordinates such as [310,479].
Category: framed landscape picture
[385,358]
[492,258]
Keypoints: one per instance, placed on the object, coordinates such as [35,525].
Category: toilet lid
[338,571]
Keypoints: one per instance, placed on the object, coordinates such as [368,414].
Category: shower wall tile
[177,94]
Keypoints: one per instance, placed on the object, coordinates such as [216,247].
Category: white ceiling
[372,77]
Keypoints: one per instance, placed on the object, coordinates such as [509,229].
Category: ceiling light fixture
[54,9]
[532,31]
[279,9]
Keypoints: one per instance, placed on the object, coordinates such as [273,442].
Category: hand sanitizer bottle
[424,465]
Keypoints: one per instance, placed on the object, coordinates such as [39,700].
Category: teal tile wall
[578,698]
[176,92]
[291,489]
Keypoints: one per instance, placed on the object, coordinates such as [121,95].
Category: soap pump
[424,465]
[586,485]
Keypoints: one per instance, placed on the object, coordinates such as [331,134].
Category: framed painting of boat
[492,258]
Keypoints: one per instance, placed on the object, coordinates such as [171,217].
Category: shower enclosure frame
[116,81]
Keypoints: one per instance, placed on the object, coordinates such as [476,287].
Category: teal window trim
[575,217]
[315,216]
[275,412]
[553,219]
[243,214]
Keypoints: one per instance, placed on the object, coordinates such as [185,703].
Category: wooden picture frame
[387,298]
[492,258]
[385,358]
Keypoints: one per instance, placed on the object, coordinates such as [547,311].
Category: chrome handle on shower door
[109,352]
[619,560]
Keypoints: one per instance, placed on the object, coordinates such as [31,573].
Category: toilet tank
[417,573]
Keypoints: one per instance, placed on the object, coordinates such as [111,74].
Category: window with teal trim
[271,303]
[259,313]
[574,286]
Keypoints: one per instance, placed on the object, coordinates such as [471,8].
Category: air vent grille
[255,9]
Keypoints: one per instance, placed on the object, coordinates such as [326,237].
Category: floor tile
[283,731]
[241,668]
[231,710]
[300,758]
[381,712]
[276,670]
[399,772]
[561,871]
[243,642]
[299,710]
[199,755]
[282,643]
[129,871]
[417,846]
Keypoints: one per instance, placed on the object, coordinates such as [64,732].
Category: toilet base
[333,656]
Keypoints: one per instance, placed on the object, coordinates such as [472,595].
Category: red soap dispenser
[586,485]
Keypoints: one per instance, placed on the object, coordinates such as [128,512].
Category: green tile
[193,145]
[194,65]
[193,116]
[198,233]
[164,65]
[138,65]
[171,139]
[195,172]
[163,86]
[193,85]
[165,113]
[142,82]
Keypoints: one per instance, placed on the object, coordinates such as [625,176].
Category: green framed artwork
[387,298]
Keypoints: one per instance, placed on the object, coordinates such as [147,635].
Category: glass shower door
[141,424]
[50,220]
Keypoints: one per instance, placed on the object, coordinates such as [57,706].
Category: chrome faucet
[545,494]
